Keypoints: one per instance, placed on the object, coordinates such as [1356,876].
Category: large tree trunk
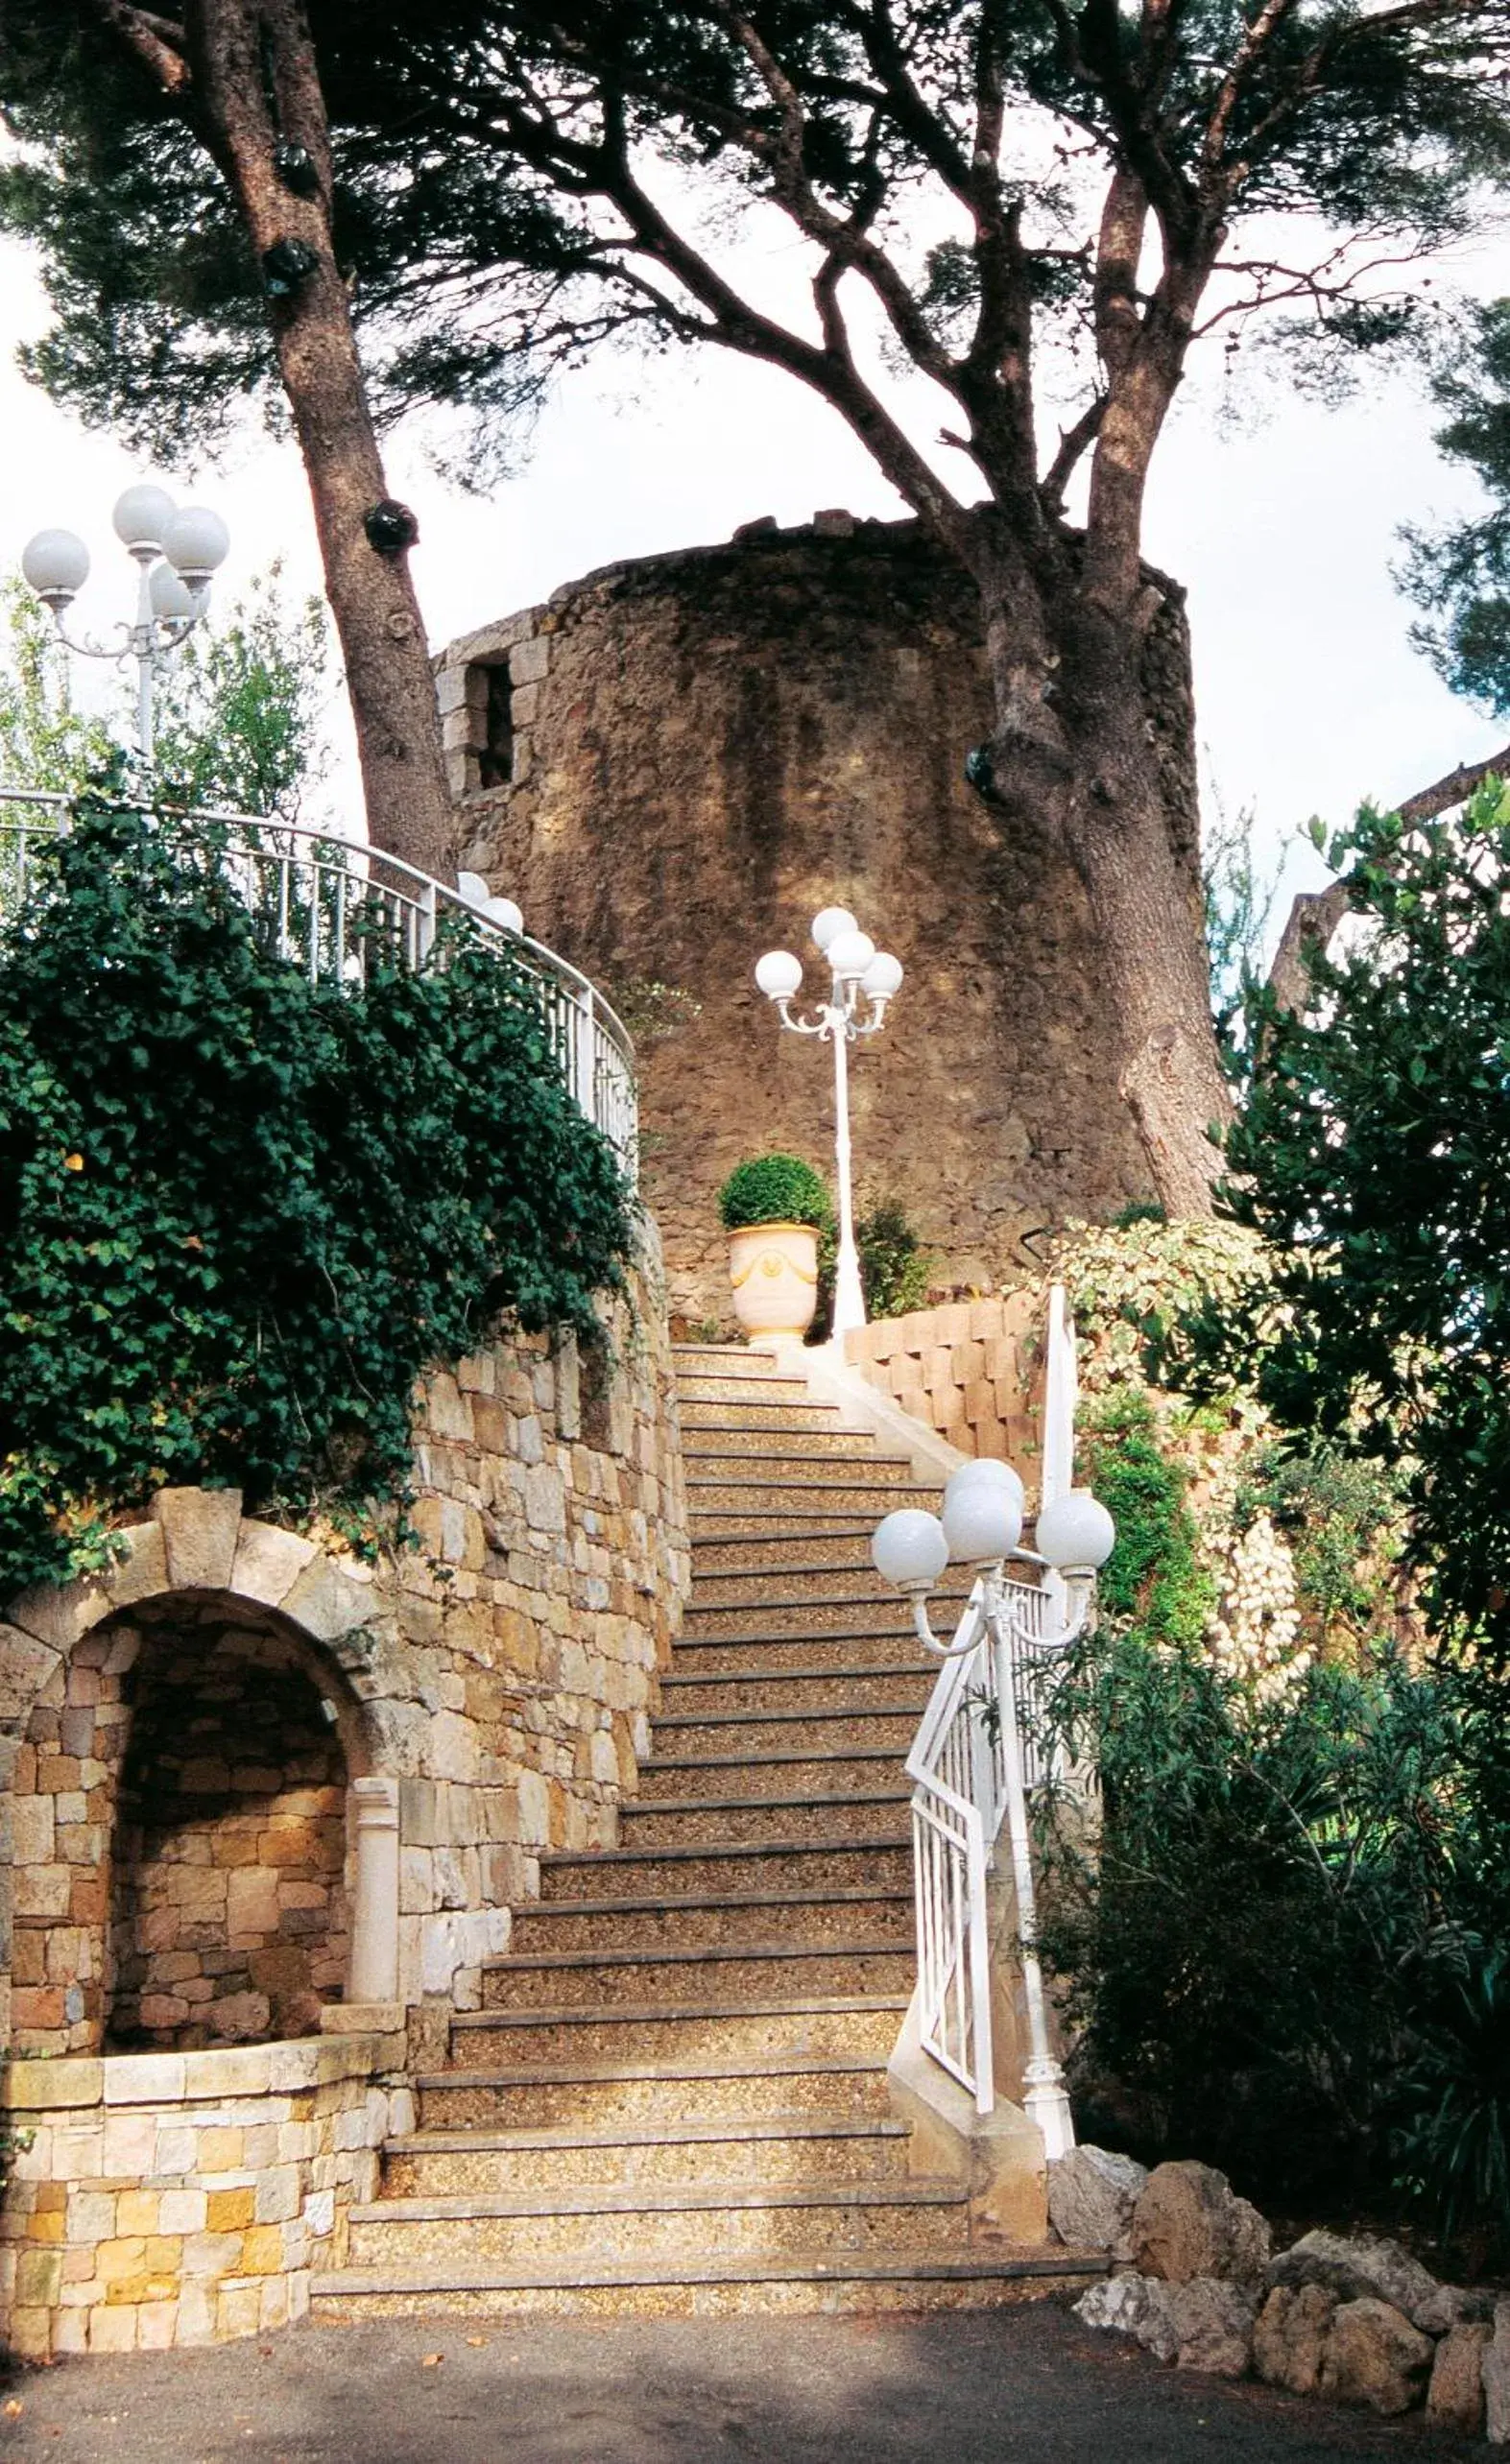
[1076,752]
[254,84]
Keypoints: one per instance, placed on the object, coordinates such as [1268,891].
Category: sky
[1309,694]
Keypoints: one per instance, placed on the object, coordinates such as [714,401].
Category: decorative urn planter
[774,1270]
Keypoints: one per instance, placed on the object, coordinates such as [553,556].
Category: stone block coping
[70,2082]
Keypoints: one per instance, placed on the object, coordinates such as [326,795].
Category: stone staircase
[675,2101]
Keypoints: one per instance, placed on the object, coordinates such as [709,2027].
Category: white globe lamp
[829,923]
[1075,1533]
[57,567]
[882,977]
[505,912]
[778,975]
[909,1549]
[986,1471]
[171,596]
[849,954]
[142,517]
[196,542]
[982,1523]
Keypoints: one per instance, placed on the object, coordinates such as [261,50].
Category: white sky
[1309,694]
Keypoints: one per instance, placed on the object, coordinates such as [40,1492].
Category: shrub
[774,1189]
[241,1213]
[893,1267]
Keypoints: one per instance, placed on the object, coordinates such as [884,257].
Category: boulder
[1497,2378]
[1188,2222]
[1136,2306]
[1382,2270]
[1212,2322]
[1455,2397]
[1375,2356]
[1289,2337]
[1091,2195]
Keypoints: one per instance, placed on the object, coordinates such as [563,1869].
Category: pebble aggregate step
[730,1970]
[819,1450]
[807,1774]
[811,1481]
[705,2288]
[878,1919]
[731,1820]
[798,1865]
[787,2147]
[803,1688]
[762,1653]
[607,2096]
[646,2223]
[775,1736]
[635,2032]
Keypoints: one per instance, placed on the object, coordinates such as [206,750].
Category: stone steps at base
[788,2146]
[709,2288]
[880,1919]
[805,1687]
[732,1970]
[814,1483]
[736,1386]
[714,2031]
[756,1619]
[797,1864]
[748,1515]
[613,2096]
[765,1655]
[729,1440]
[682,1740]
[643,2224]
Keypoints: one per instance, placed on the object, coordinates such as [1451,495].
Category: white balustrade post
[1044,2100]
[374,1913]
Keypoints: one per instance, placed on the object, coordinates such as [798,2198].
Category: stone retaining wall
[166,2199]
[969,1370]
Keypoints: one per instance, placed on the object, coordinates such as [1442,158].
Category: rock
[1136,2306]
[1455,2397]
[1375,2356]
[1290,2334]
[1497,2378]
[1213,2324]
[1188,2222]
[1091,2195]
[1381,2269]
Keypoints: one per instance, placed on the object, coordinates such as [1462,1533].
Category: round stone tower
[676,762]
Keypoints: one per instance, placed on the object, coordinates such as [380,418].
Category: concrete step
[701,1873]
[878,1919]
[781,1620]
[745,1517]
[721,1443]
[734,1387]
[806,1685]
[682,1740]
[736,1356]
[733,1972]
[850,1583]
[762,1654]
[706,2029]
[756,1555]
[800,1421]
[771,1477]
[706,2287]
[785,2147]
[652,2095]
[598,2227]
[733,1820]
[810,1774]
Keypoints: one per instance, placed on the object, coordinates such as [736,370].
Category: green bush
[241,1213]
[893,1267]
[774,1189]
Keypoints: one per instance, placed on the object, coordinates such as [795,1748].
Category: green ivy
[241,1213]
[1153,1587]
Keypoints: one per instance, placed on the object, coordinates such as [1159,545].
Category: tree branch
[147,40]
[1316,914]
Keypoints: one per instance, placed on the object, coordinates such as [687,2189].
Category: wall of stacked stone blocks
[970,1369]
[183,1742]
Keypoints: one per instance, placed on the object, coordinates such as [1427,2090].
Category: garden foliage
[241,1213]
[774,1189]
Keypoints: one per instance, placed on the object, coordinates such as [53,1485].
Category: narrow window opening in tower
[496,759]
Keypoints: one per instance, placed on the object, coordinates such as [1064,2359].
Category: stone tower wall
[674,763]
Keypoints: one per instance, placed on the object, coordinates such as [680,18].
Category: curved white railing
[334,907]
[980,1738]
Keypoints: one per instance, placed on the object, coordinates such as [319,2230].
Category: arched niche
[247,1655]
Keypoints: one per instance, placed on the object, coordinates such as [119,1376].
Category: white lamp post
[175,550]
[859,971]
[981,1526]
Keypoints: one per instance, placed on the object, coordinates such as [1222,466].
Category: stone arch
[65,1653]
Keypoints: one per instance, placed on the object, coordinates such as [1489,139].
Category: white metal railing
[978,1744]
[336,909]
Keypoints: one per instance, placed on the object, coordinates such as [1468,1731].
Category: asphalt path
[1018,2386]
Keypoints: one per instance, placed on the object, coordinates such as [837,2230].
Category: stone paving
[1025,2386]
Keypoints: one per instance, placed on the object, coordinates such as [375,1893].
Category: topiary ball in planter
[772,1208]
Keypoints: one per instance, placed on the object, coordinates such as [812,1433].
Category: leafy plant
[893,1266]
[1453,2136]
[1153,1587]
[241,1213]
[774,1189]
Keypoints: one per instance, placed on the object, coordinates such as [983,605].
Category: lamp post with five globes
[176,550]
[859,969]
